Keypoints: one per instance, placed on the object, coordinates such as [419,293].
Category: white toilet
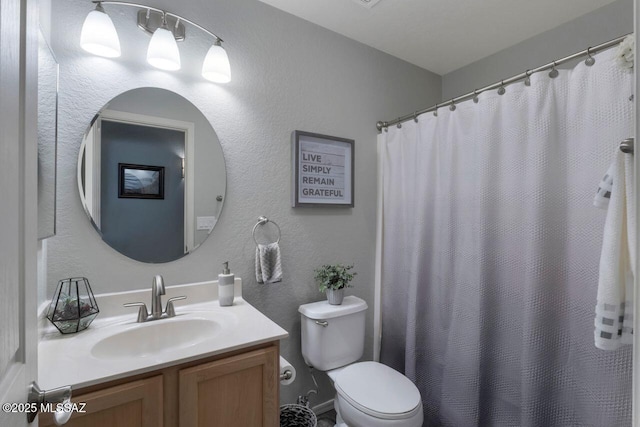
[369,394]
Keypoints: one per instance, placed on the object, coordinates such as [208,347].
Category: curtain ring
[502,90]
[452,107]
[415,116]
[399,125]
[590,59]
[527,80]
[553,73]
[435,112]
[475,96]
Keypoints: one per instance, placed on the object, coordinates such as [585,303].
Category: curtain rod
[588,52]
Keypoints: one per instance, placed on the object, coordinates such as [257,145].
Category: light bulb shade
[163,50]
[99,36]
[216,66]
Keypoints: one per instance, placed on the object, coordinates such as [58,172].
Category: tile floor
[327,419]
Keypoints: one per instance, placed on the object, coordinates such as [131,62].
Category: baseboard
[323,407]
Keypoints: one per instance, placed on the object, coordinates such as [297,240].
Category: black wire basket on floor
[293,415]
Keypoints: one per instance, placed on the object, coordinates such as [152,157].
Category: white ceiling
[439,35]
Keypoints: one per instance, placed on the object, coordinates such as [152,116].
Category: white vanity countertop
[72,359]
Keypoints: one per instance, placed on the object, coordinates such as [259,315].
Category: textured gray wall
[599,26]
[287,74]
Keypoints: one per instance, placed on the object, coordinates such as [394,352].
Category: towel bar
[262,221]
[626,146]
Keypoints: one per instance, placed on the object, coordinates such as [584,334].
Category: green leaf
[335,276]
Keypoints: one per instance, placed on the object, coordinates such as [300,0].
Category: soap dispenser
[225,286]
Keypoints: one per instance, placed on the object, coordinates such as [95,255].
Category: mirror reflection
[47,138]
[151,175]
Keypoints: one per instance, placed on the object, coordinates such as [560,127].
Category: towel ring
[262,221]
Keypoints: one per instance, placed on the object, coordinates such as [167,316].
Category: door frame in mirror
[150,121]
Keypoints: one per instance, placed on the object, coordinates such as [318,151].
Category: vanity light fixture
[163,50]
[216,66]
[99,37]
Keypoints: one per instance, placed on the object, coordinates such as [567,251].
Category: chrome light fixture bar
[150,20]
[100,38]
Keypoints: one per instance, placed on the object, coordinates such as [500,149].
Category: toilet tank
[332,335]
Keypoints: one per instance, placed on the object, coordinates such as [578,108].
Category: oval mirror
[151,175]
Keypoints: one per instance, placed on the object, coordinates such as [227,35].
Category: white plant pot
[335,296]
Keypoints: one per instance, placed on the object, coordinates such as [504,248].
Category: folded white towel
[268,264]
[614,309]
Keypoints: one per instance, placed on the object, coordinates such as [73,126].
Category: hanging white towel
[268,264]
[614,309]
[601,199]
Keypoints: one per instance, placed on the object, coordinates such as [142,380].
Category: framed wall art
[322,170]
[140,181]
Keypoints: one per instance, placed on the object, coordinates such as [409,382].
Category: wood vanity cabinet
[133,404]
[237,389]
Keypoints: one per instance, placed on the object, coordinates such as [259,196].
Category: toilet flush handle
[322,323]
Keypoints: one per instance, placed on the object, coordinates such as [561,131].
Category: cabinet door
[134,404]
[239,391]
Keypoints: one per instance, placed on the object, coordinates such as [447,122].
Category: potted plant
[332,279]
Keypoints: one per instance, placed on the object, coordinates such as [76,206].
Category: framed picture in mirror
[140,181]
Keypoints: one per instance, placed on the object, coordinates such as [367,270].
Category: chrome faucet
[157,290]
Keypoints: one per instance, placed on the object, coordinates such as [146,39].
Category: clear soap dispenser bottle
[225,286]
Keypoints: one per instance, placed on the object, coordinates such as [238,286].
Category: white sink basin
[158,336]
[114,346]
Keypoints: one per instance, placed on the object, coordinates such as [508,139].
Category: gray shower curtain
[491,249]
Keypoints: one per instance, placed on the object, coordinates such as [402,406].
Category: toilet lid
[378,390]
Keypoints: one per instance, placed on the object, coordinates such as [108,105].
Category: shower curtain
[490,253]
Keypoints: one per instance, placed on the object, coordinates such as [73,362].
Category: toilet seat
[378,391]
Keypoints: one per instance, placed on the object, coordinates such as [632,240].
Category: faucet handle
[170,310]
[143,313]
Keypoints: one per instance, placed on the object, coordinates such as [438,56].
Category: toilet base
[358,419]
[339,421]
